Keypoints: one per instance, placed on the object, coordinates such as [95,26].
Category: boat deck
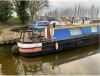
[76,26]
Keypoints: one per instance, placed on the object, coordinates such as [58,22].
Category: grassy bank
[9,29]
[13,21]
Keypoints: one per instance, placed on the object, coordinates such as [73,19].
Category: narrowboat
[55,39]
[79,21]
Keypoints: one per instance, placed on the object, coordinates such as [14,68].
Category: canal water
[78,61]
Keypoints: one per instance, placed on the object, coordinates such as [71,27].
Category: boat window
[75,31]
[43,23]
[94,29]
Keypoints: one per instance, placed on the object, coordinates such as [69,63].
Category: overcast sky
[61,4]
[72,3]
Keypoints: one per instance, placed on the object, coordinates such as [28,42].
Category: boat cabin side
[58,33]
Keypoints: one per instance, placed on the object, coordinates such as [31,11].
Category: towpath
[7,35]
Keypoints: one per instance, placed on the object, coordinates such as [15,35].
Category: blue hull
[49,47]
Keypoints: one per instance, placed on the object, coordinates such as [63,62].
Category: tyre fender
[56,46]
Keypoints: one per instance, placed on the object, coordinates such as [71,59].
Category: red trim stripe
[28,50]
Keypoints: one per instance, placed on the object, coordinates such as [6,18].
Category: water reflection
[6,61]
[82,60]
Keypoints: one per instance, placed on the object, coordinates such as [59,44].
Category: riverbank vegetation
[25,10]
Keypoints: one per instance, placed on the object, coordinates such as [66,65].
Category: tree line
[25,9]
[77,11]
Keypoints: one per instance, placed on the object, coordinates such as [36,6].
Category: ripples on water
[84,60]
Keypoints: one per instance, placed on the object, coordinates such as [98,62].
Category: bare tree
[77,11]
[36,5]
[97,12]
